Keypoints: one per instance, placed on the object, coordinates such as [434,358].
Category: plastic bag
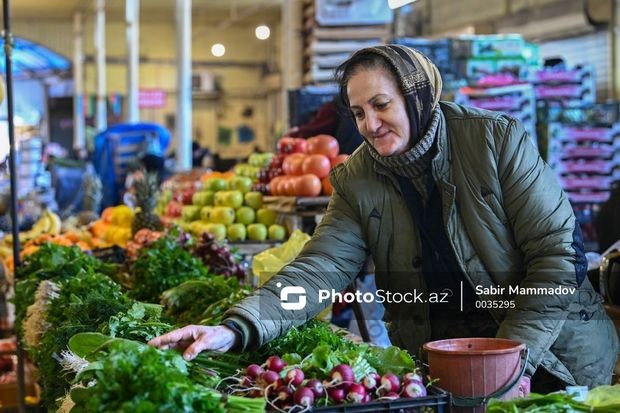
[267,263]
[604,396]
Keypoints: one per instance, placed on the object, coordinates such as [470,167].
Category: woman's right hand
[194,339]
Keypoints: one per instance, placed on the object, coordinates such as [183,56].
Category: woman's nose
[372,122]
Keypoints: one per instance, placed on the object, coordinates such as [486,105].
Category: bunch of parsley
[163,265]
[129,376]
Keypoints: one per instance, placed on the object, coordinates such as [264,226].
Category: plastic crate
[437,401]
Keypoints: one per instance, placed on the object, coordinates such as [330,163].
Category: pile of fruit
[301,167]
[227,209]
[252,168]
[114,227]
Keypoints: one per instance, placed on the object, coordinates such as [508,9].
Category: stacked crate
[584,151]
[517,100]
[334,30]
[565,88]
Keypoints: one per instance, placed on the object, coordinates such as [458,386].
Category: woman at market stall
[460,215]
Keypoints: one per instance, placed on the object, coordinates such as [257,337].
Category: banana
[55,222]
[40,227]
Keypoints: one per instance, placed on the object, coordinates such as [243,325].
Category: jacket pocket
[496,208]
[373,229]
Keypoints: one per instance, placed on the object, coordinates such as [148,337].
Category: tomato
[316,164]
[327,186]
[274,185]
[288,186]
[292,164]
[323,145]
[307,185]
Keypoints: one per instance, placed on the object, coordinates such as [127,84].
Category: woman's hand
[193,339]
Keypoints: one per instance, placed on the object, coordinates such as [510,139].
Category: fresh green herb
[51,262]
[132,377]
[163,265]
[214,313]
[84,303]
[550,403]
[141,322]
[304,339]
[189,302]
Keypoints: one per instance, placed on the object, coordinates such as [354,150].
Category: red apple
[173,209]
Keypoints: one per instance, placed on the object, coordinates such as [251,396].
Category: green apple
[222,215]
[205,213]
[190,213]
[276,232]
[266,216]
[233,199]
[216,184]
[218,230]
[257,232]
[203,198]
[236,232]
[197,227]
[219,197]
[241,183]
[245,215]
[253,199]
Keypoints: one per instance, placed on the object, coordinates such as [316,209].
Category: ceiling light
[218,50]
[394,4]
[262,32]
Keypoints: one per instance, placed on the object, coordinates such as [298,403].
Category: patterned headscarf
[419,81]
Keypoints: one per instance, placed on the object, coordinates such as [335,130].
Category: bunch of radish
[287,389]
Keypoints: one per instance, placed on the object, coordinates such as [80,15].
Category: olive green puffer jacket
[509,223]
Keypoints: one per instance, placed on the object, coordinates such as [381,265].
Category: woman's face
[378,107]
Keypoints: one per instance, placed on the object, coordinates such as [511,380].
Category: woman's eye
[358,115]
[381,105]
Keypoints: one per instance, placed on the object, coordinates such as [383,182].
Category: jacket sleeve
[331,260]
[546,232]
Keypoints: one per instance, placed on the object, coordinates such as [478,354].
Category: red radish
[254,370]
[390,383]
[391,395]
[367,398]
[304,397]
[317,388]
[413,388]
[284,394]
[255,393]
[356,393]
[413,376]
[294,377]
[272,389]
[247,382]
[371,381]
[336,395]
[275,363]
[267,378]
[342,376]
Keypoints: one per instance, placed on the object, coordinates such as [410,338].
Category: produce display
[300,167]
[228,209]
[85,322]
